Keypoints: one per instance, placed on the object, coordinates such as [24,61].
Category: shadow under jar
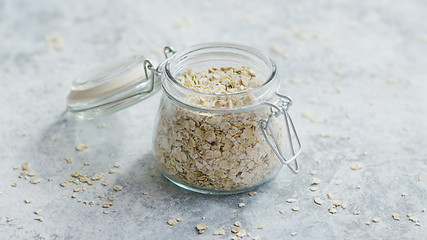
[222,143]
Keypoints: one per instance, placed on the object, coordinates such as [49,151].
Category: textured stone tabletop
[356,70]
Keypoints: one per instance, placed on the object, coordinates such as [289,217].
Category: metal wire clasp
[149,66]
[279,108]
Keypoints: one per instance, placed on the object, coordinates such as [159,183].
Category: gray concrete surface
[355,69]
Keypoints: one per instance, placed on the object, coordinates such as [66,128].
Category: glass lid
[112,88]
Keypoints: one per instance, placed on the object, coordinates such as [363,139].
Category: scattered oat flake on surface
[294,233]
[318,201]
[237,223]
[112,171]
[31,174]
[376,219]
[25,166]
[355,166]
[86,164]
[179,219]
[9,219]
[336,203]
[74,195]
[97,176]
[16,167]
[291,200]
[55,42]
[101,125]
[313,189]
[332,209]
[420,177]
[106,212]
[239,231]
[344,205]
[172,222]
[307,115]
[395,216]
[312,172]
[23,174]
[295,208]
[111,198]
[68,159]
[117,188]
[28,200]
[356,212]
[413,218]
[281,211]
[105,183]
[251,193]
[78,188]
[219,232]
[40,219]
[295,80]
[81,147]
[315,181]
[64,184]
[116,165]
[260,226]
[83,179]
[330,196]
[241,205]
[76,174]
[403,194]
[14,184]
[35,180]
[201,228]
[366,152]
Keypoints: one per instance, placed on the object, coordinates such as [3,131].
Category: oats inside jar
[221,80]
[216,151]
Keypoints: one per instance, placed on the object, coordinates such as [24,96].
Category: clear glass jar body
[212,143]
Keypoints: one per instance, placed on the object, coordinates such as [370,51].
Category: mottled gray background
[373,52]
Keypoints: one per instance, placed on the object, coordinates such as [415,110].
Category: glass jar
[208,143]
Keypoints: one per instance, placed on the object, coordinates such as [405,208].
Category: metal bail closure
[279,108]
[110,89]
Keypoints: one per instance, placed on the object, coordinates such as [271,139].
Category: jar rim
[225,45]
